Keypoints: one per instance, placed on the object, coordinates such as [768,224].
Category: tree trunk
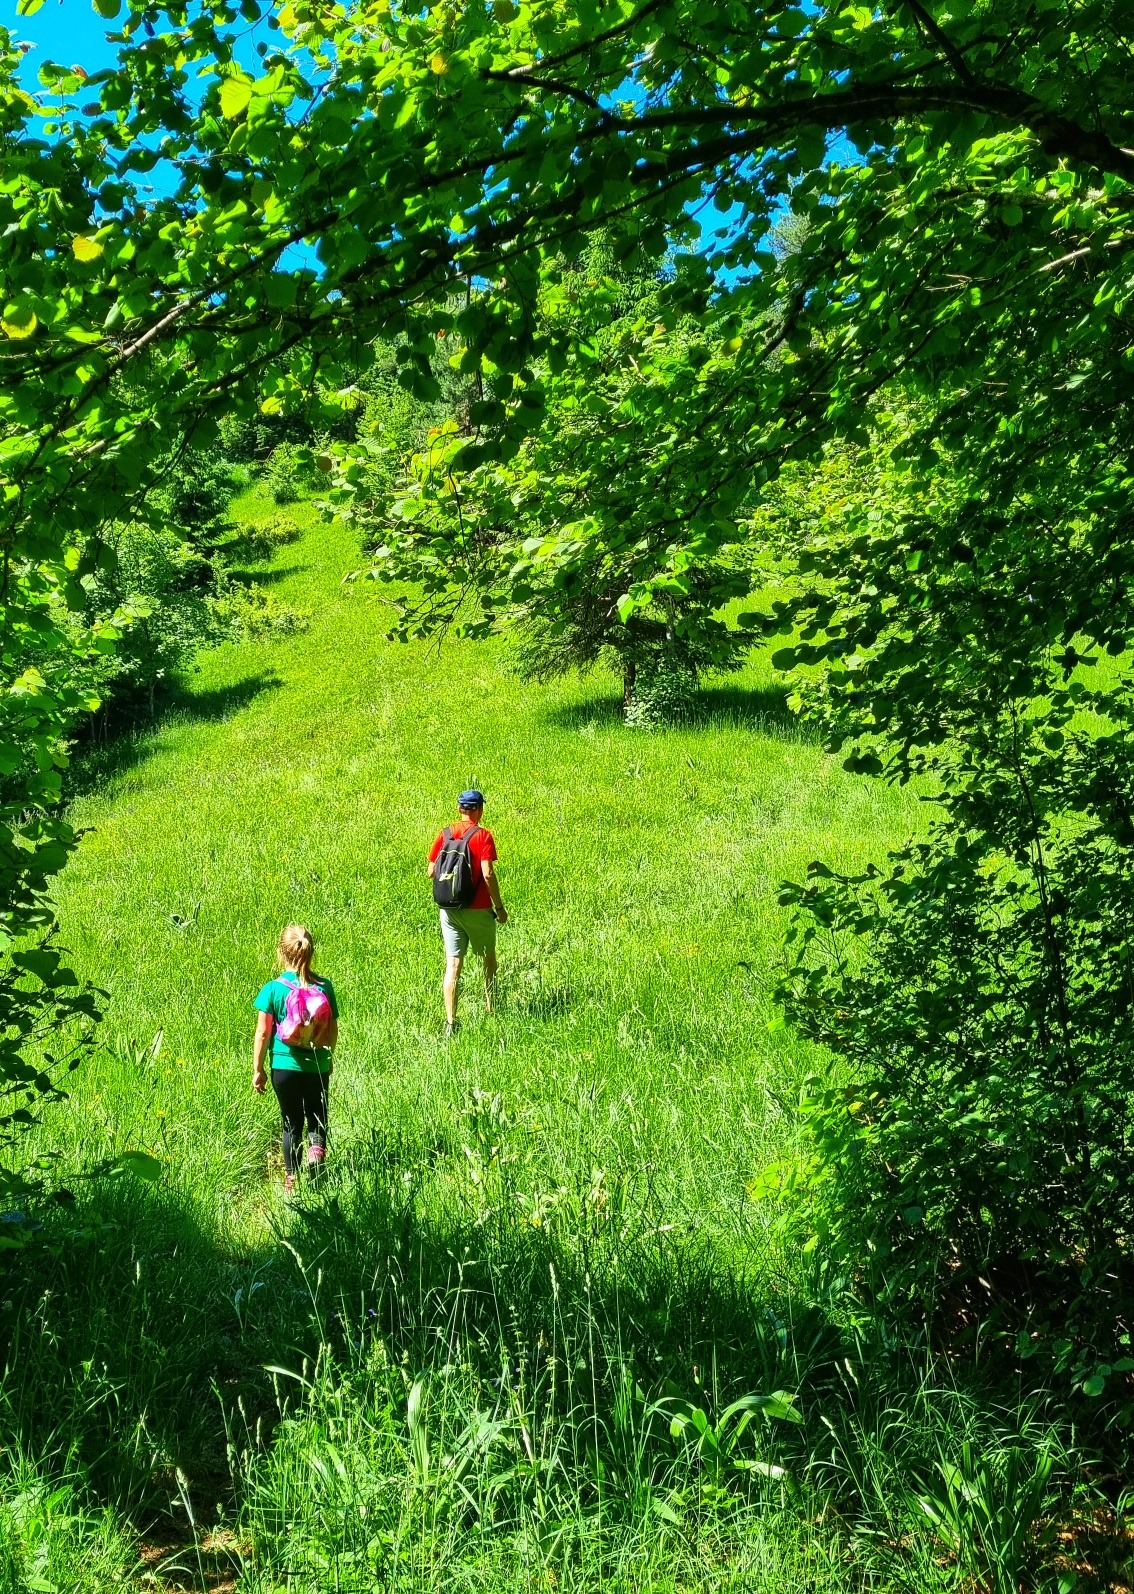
[629,676]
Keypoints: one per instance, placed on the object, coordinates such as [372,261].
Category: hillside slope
[304,779]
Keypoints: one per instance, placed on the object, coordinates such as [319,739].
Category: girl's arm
[265,1028]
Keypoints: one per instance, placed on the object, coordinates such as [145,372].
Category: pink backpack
[307,1018]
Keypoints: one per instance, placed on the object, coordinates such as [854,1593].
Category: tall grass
[531,1330]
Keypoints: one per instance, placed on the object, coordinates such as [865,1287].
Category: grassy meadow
[502,1343]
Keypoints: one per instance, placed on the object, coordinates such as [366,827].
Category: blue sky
[67,31]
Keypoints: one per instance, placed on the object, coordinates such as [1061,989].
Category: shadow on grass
[757,708]
[598,1276]
[110,748]
[721,705]
[137,1342]
[265,578]
[116,1336]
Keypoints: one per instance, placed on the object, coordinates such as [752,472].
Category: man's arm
[493,885]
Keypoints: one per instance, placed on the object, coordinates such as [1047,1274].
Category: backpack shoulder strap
[447,834]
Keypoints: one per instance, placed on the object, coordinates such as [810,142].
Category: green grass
[535,1247]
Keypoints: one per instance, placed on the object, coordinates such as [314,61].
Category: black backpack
[454,874]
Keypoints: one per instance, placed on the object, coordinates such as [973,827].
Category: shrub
[192,499]
[259,539]
[251,612]
[162,583]
[974,1166]
[290,472]
[661,696]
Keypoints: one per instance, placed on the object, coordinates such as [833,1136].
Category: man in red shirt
[477,923]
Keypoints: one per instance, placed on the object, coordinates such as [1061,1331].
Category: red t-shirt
[482,849]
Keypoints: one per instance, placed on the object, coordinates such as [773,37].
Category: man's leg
[456,942]
[482,936]
[452,987]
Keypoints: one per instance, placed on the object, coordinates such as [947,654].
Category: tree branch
[1057,135]
[554,85]
[585,45]
[941,39]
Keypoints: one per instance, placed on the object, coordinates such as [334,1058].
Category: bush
[661,696]
[259,539]
[167,588]
[193,498]
[163,583]
[973,1168]
[290,472]
[251,612]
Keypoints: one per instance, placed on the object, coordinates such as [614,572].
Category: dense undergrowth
[535,1329]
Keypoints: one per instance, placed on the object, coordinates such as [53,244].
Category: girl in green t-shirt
[300,1074]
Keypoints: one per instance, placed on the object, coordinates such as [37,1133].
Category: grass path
[583,1155]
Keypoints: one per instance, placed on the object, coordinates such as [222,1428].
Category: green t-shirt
[273,999]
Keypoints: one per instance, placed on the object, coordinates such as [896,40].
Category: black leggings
[302,1097]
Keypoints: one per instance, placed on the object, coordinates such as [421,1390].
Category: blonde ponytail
[297,950]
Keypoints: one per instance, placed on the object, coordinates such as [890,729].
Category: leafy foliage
[661,697]
[289,471]
[158,579]
[975,1164]
[558,543]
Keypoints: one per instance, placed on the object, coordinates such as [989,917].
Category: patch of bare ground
[206,1563]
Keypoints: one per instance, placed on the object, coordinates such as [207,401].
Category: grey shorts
[462,926]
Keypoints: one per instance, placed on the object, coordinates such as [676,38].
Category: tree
[974,610]
[483,544]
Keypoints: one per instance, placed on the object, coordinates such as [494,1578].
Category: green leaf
[280,289]
[86,249]
[19,319]
[40,961]
[28,8]
[141,1165]
[235,97]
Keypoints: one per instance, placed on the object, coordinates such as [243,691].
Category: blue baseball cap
[471,799]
